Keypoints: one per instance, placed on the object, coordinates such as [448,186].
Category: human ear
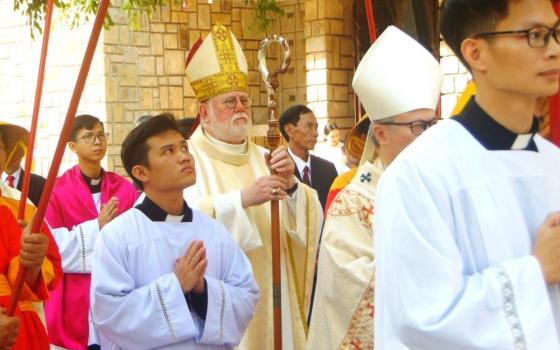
[380,133]
[473,51]
[141,172]
[72,146]
[203,111]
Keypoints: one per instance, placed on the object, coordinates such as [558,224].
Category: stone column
[329,61]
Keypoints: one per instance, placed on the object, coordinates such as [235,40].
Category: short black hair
[330,126]
[83,121]
[185,126]
[141,119]
[135,149]
[461,19]
[291,116]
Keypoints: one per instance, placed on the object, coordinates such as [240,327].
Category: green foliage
[78,11]
[34,10]
[262,8]
[135,8]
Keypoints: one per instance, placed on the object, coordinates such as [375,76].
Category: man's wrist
[244,200]
[292,189]
[200,288]
[198,301]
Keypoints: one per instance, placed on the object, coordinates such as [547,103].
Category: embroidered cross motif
[221,34]
[367,211]
[210,85]
[365,177]
[232,80]
[226,56]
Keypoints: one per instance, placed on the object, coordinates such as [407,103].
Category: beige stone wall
[145,68]
[293,84]
[157,82]
[329,61]
[455,79]
[19,62]
[142,72]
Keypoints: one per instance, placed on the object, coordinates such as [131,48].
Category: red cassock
[32,333]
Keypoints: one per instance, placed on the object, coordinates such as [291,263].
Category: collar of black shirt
[155,213]
[93,184]
[492,135]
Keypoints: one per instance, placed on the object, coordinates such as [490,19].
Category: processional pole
[273,139]
[35,116]
[370,20]
[372,37]
[64,135]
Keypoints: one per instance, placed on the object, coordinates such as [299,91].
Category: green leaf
[76,12]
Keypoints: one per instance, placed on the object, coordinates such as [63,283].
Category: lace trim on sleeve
[165,312]
[510,310]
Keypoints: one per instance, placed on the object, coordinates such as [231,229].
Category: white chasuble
[223,170]
[343,307]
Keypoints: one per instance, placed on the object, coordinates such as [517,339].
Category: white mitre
[396,75]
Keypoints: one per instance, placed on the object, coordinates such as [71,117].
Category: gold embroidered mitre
[217,65]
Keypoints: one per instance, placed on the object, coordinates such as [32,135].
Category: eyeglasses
[90,138]
[537,37]
[417,127]
[231,102]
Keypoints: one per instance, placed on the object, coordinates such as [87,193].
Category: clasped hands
[190,268]
[271,187]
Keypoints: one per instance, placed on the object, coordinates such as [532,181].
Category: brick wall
[19,62]
[145,69]
[329,61]
[455,79]
[142,72]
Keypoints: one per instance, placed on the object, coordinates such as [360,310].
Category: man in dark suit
[299,126]
[13,177]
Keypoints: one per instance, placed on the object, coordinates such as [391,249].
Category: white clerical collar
[174,218]
[522,141]
[227,147]
[300,163]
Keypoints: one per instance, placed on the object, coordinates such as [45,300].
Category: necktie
[306,177]
[11,180]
